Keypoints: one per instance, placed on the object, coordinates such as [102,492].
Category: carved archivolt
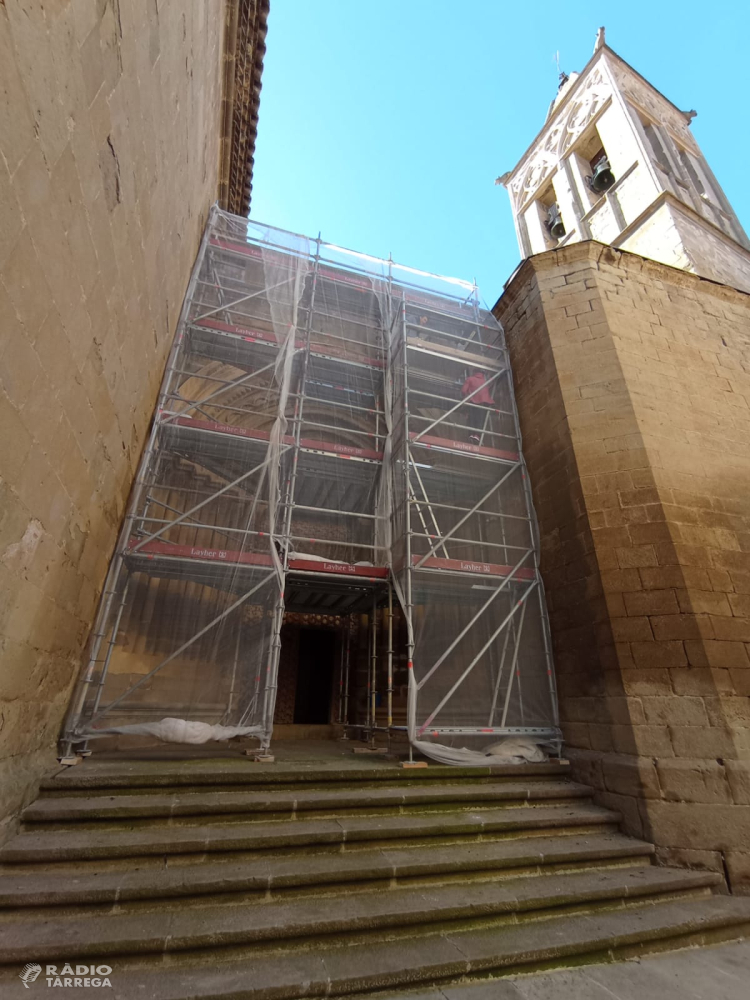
[561,134]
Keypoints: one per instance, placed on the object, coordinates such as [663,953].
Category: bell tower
[616,162]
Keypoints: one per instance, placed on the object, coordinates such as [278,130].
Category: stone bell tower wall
[633,385]
[663,202]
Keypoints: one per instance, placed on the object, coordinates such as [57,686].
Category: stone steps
[289,803]
[225,879]
[47,846]
[89,886]
[440,955]
[128,775]
[255,927]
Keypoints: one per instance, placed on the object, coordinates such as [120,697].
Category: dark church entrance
[315,667]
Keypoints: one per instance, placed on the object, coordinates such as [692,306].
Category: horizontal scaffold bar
[454,354]
[245,333]
[200,553]
[227,557]
[253,336]
[361,283]
[540,732]
[472,566]
[340,569]
[312,445]
[446,444]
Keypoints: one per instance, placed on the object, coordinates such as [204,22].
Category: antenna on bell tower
[562,76]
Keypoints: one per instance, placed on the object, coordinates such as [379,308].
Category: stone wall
[633,386]
[109,131]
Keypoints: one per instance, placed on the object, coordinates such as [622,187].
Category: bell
[555,222]
[602,178]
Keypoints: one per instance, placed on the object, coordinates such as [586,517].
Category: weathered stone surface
[712,861]
[738,865]
[693,781]
[631,776]
[738,774]
[277,874]
[715,827]
[676,711]
[698,741]
[629,809]
[105,184]
[387,901]
[588,767]
[297,802]
[492,989]
[176,928]
[686,975]
[304,767]
[217,837]
[611,434]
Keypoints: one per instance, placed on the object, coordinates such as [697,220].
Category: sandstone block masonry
[633,385]
[109,132]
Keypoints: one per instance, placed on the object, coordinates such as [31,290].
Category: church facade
[627,328]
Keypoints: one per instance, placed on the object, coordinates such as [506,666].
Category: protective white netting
[185,646]
[464,537]
[327,422]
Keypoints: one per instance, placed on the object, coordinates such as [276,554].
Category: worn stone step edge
[437,957]
[282,923]
[51,808]
[326,870]
[246,772]
[53,845]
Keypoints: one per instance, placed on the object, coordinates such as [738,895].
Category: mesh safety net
[464,534]
[329,425]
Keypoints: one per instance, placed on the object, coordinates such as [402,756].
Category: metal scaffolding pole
[368,367]
[347,664]
[269,702]
[372,686]
[474,531]
[86,679]
[389,654]
[408,607]
[340,712]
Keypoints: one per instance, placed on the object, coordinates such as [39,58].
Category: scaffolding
[315,448]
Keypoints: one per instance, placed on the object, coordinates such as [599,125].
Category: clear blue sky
[383,123]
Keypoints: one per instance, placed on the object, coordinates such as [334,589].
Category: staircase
[221,878]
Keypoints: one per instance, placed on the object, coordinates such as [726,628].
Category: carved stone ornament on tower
[641,95]
[616,162]
[561,134]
